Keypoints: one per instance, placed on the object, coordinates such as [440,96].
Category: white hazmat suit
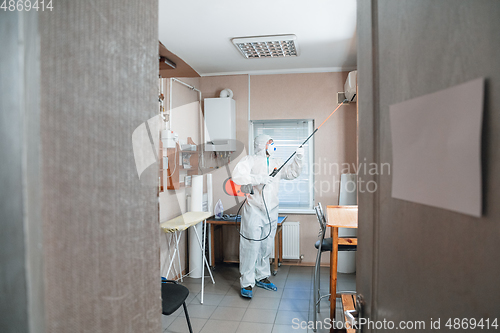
[255,170]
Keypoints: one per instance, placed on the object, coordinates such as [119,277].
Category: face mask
[271,149]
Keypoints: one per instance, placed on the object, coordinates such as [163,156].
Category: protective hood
[259,144]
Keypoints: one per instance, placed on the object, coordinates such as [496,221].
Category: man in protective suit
[255,223]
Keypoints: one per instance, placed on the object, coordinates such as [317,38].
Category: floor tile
[283,268]
[300,269]
[234,289]
[290,304]
[287,329]
[228,313]
[219,326]
[289,317]
[166,321]
[297,294]
[218,288]
[224,310]
[194,287]
[298,284]
[235,301]
[208,299]
[264,303]
[282,275]
[259,292]
[260,316]
[306,281]
[300,276]
[178,311]
[323,317]
[245,327]
[190,297]
[199,311]
[324,272]
[323,320]
[180,325]
[278,283]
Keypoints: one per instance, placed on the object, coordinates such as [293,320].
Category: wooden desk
[339,217]
[278,239]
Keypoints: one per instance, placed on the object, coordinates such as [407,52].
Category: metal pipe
[249,127]
[187,85]
[201,122]
[170,106]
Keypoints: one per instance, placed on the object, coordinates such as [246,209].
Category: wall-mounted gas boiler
[220,124]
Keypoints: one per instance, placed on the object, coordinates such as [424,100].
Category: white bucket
[347,262]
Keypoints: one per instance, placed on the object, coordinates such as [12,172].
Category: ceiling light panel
[278,46]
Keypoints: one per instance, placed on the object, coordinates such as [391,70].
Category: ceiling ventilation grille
[278,46]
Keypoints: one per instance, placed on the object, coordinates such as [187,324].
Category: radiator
[291,240]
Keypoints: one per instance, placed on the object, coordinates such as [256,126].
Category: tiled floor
[225,311]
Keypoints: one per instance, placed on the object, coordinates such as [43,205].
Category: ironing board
[177,226]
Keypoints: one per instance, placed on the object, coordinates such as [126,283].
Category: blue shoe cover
[247,293]
[266,284]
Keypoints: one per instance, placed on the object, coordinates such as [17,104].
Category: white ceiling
[200,32]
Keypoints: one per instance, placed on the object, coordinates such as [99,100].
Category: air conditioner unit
[350,86]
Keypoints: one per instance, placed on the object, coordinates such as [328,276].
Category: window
[296,196]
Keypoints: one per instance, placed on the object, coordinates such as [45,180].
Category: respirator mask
[271,149]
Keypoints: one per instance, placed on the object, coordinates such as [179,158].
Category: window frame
[310,129]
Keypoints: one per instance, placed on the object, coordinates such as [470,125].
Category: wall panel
[424,261]
[99,74]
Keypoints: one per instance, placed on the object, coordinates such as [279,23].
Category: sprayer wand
[275,171]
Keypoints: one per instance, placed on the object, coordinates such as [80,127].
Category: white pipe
[185,84]
[202,133]
[250,143]
[162,104]
[199,99]
[170,106]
